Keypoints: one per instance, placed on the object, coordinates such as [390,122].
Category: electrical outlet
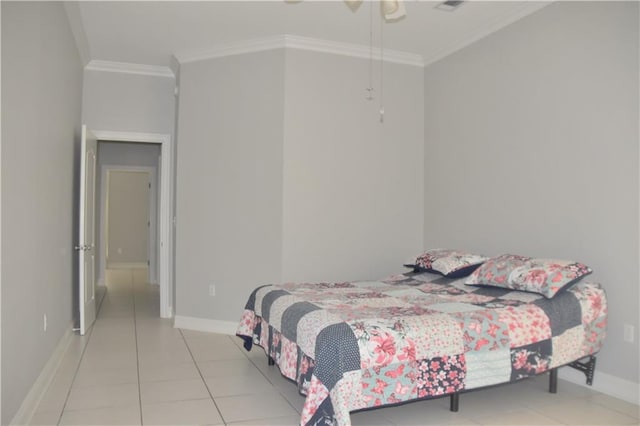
[212,290]
[629,333]
[44,322]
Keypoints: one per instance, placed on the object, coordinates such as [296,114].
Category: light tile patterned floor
[134,368]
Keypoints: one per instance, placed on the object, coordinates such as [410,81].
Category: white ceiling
[151,32]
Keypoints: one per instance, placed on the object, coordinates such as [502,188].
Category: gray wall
[532,148]
[352,187]
[128,154]
[128,102]
[229,181]
[284,172]
[41,95]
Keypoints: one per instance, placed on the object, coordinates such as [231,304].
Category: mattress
[357,345]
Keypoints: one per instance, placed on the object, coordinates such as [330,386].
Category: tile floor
[134,368]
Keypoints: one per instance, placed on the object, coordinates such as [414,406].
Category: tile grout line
[202,376]
[245,353]
[75,374]
[84,349]
[135,333]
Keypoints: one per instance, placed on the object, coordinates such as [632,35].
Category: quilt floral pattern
[350,346]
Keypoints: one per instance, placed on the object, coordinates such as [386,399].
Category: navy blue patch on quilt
[530,360]
[251,303]
[442,281]
[275,344]
[304,373]
[267,302]
[324,415]
[563,310]
[248,342]
[336,353]
[292,315]
[491,291]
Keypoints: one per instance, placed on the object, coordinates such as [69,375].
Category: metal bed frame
[587,367]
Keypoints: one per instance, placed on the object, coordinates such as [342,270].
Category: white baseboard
[606,383]
[36,393]
[208,325]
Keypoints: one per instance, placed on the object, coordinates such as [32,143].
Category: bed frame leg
[454,402]
[553,380]
[271,361]
[588,368]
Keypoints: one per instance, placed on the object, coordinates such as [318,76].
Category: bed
[357,345]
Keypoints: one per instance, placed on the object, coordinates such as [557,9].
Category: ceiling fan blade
[392,10]
[353,4]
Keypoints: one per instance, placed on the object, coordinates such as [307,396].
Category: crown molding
[302,43]
[129,68]
[288,41]
[230,49]
[354,50]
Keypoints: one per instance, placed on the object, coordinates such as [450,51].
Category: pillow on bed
[544,276]
[450,263]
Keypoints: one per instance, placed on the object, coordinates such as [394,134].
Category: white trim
[313,44]
[528,7]
[298,42]
[30,403]
[165,279]
[605,383]
[203,324]
[230,49]
[355,50]
[129,68]
[116,136]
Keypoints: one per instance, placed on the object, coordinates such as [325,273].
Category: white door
[86,245]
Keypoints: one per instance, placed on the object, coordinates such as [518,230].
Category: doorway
[128,232]
[160,170]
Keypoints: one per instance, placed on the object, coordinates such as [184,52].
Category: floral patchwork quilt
[356,345]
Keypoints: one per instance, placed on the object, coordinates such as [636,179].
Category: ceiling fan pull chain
[369,89]
[381,69]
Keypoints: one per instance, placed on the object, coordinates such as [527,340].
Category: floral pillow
[544,276]
[450,263]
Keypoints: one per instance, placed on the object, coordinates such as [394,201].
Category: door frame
[166,218]
[152,241]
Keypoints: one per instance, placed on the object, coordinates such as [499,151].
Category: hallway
[133,367]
